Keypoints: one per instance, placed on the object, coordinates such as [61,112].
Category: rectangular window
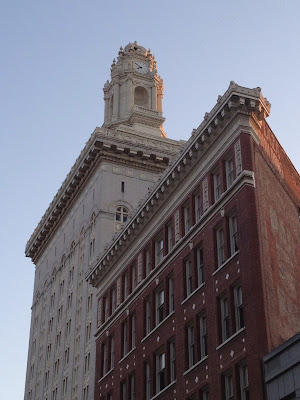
[112,351]
[188,277]
[233,235]
[124,338]
[200,265]
[113,300]
[197,204]
[159,303]
[147,317]
[147,262]
[105,359]
[85,393]
[133,331]
[160,372]
[228,387]
[105,308]
[220,247]
[133,278]
[203,336]
[191,346]
[244,382]
[132,387]
[125,287]
[225,331]
[187,219]
[123,391]
[229,172]
[204,394]
[172,355]
[217,185]
[238,307]
[171,293]
[170,236]
[159,248]
[147,380]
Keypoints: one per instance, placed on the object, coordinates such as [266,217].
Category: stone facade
[115,170]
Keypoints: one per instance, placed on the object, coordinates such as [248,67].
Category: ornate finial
[121,48]
[113,63]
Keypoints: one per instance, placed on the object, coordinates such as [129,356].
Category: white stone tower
[112,174]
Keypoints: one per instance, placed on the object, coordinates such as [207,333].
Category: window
[217,185]
[65,385]
[188,277]
[70,298]
[113,299]
[124,338]
[133,331]
[191,346]
[87,363]
[228,387]
[121,216]
[52,300]
[203,336]
[172,358]
[197,205]
[160,372]
[56,367]
[89,302]
[244,382]
[147,317]
[88,329]
[59,314]
[147,380]
[124,390]
[204,394]
[112,351]
[171,293]
[132,386]
[238,307]
[187,219]
[159,247]
[200,265]
[85,393]
[133,277]
[170,236]
[147,262]
[66,356]
[105,359]
[229,172]
[220,246]
[225,332]
[105,308]
[159,305]
[125,286]
[68,328]
[233,235]
[92,234]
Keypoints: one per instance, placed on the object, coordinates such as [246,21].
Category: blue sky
[55,58]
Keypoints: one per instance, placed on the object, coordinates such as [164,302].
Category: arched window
[121,216]
[141,96]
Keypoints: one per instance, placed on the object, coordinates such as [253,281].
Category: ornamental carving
[118,292]
[140,272]
[238,157]
[99,312]
[177,226]
[205,194]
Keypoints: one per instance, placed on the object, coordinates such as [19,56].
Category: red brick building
[203,280]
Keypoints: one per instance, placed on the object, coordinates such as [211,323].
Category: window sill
[106,374]
[230,338]
[127,355]
[195,365]
[225,263]
[192,294]
[157,326]
[163,390]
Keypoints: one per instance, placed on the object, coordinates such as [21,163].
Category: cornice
[116,145]
[237,100]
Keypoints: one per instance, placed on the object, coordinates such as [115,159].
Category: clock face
[140,67]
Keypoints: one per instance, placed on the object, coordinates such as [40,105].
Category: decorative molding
[177,226]
[237,101]
[205,195]
[238,157]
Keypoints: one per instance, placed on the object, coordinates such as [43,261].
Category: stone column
[160,93]
[106,109]
[116,101]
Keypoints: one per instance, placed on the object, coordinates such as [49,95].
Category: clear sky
[55,59]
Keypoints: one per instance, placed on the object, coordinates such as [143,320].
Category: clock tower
[133,97]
